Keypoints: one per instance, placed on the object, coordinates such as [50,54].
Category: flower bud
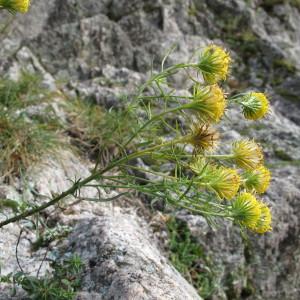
[202,137]
[214,64]
[246,210]
[208,102]
[255,106]
[257,179]
[264,222]
[247,154]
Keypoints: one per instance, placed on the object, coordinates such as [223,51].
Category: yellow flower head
[199,165]
[202,137]
[255,105]
[214,64]
[257,179]
[264,222]
[247,154]
[209,102]
[225,182]
[21,6]
[247,210]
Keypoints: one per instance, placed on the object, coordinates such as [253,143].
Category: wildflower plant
[178,130]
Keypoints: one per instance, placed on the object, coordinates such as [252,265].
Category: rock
[118,248]
[123,262]
[103,49]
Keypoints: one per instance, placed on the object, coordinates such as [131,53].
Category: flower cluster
[21,6]
[245,175]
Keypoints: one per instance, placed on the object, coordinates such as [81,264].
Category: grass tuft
[98,132]
[24,139]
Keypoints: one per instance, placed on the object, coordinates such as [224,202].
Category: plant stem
[220,156]
[154,118]
[167,72]
[77,185]
[199,210]
[166,96]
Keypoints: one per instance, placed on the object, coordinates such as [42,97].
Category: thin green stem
[152,172]
[220,156]
[167,72]
[154,118]
[77,185]
[200,210]
[165,96]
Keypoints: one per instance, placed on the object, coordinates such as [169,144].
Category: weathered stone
[106,47]
[123,261]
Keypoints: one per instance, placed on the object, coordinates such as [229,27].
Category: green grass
[21,93]
[97,132]
[189,258]
[24,138]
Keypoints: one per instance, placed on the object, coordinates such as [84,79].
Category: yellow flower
[21,6]
[247,210]
[209,102]
[264,222]
[214,64]
[199,165]
[257,179]
[255,106]
[225,182]
[247,154]
[202,137]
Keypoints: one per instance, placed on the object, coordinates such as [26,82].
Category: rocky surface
[123,261]
[102,50]
[120,253]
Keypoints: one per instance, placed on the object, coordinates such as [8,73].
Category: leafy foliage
[189,258]
[61,284]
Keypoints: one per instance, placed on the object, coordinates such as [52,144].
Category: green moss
[189,258]
[281,154]
[192,10]
[284,64]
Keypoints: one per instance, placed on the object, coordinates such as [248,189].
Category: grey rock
[106,47]
[123,261]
